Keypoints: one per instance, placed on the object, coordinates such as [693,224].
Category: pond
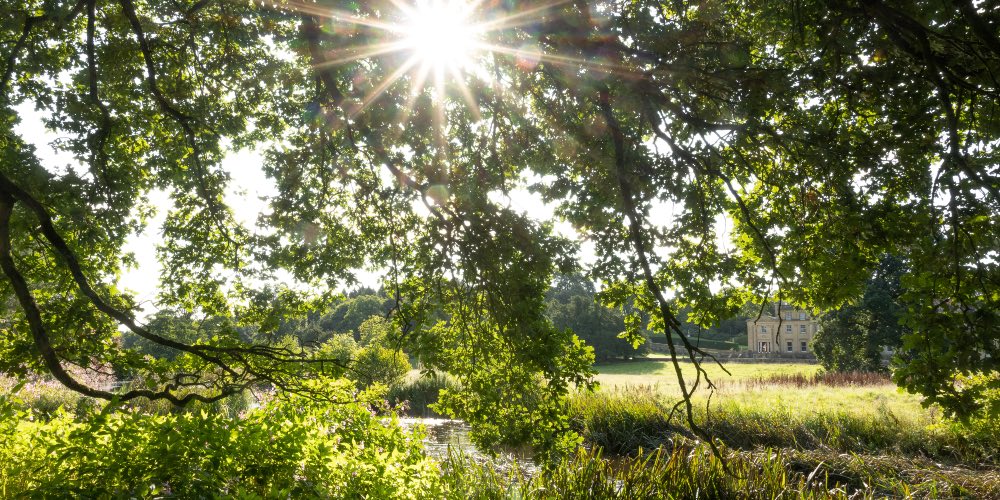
[445,436]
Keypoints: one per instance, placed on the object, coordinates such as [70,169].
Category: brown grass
[830,379]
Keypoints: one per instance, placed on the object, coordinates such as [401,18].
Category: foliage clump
[290,447]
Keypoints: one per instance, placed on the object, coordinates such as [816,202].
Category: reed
[688,470]
[414,397]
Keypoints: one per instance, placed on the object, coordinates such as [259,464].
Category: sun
[440,35]
[444,45]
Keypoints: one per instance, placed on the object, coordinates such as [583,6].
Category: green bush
[376,364]
[292,447]
[378,361]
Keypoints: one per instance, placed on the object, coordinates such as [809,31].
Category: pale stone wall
[786,331]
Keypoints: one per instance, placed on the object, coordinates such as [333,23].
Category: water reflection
[446,436]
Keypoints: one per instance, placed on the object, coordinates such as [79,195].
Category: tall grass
[413,397]
[804,380]
[692,471]
[630,420]
[625,421]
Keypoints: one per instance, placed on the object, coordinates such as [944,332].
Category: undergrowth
[692,471]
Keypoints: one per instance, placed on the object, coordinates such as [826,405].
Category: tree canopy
[854,337]
[714,153]
[572,303]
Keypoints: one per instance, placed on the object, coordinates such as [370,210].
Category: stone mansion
[786,330]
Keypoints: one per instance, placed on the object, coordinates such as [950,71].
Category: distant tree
[572,304]
[348,315]
[376,330]
[341,347]
[883,301]
[853,337]
[378,360]
[175,325]
[843,342]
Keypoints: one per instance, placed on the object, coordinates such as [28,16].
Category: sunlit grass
[661,374]
[686,471]
[735,393]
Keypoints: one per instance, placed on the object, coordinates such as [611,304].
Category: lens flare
[440,35]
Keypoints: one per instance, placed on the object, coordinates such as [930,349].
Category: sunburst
[446,39]
[441,35]
[441,44]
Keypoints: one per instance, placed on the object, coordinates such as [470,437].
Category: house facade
[783,330]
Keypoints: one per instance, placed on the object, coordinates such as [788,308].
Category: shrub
[292,447]
[376,364]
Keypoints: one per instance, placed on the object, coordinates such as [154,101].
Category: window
[804,347]
[788,328]
[802,328]
[802,316]
[763,329]
[789,346]
[763,347]
[788,316]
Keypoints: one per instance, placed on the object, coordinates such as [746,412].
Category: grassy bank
[771,387]
[692,471]
[626,421]
[790,406]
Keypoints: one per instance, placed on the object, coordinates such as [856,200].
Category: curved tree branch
[670,322]
[222,357]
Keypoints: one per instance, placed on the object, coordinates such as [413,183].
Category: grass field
[660,374]
[734,388]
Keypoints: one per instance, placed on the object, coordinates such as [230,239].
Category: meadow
[786,424]
[764,385]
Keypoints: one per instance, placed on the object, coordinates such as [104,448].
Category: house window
[788,328]
[763,347]
[802,316]
[789,347]
[804,348]
[788,316]
[802,328]
[763,329]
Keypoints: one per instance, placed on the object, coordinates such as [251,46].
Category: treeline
[353,331]
[344,327]
[571,304]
